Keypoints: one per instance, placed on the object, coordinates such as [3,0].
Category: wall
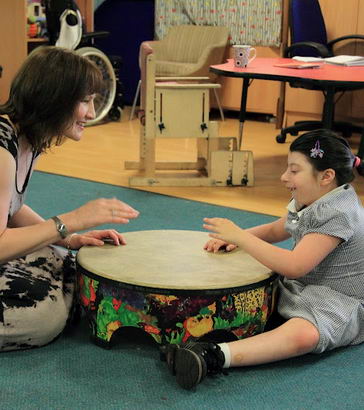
[250,22]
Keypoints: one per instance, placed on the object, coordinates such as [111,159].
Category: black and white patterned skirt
[36,298]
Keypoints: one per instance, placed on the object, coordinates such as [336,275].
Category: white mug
[242,55]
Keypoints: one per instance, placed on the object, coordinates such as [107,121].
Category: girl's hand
[94,238]
[214,245]
[224,230]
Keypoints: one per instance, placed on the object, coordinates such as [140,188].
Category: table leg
[329,108]
[242,114]
[360,153]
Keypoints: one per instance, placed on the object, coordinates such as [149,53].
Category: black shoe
[191,362]
[167,354]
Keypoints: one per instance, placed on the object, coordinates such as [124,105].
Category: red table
[332,78]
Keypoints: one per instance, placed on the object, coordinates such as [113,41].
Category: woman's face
[85,111]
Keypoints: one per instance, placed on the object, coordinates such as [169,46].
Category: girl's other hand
[223,229]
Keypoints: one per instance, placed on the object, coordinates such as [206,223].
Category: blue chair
[360,153]
[309,38]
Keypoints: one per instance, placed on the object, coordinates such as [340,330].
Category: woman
[51,99]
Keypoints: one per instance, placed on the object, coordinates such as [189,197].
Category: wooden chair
[188,51]
[178,107]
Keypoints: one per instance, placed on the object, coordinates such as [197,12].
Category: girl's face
[85,111]
[302,179]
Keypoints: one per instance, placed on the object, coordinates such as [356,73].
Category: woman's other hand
[94,238]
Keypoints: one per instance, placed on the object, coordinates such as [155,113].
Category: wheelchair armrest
[331,43]
[184,78]
[186,86]
[322,50]
[95,34]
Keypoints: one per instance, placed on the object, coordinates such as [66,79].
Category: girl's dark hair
[336,153]
[45,92]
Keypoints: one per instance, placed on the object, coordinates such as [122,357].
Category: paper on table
[345,60]
[298,65]
[308,59]
[340,60]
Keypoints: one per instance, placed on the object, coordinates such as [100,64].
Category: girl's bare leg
[294,338]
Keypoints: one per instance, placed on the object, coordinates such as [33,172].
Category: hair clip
[356,162]
[317,151]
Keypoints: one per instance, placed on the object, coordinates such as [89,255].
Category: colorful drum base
[174,316]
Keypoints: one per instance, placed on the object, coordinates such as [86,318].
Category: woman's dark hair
[45,92]
[336,153]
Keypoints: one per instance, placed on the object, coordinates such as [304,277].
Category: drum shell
[176,316]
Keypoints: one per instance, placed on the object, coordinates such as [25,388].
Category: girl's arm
[308,253]
[272,233]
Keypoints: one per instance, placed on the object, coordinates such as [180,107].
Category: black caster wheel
[360,170]
[281,139]
[347,134]
[244,181]
[115,114]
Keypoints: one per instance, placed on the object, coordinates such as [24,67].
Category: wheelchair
[65,29]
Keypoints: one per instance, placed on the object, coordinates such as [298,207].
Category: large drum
[166,284]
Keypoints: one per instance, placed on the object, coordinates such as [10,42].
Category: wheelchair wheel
[104,101]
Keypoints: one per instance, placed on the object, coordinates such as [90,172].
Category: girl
[51,99]
[321,279]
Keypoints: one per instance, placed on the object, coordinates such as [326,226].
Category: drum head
[171,259]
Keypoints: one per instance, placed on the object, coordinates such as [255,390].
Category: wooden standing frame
[178,107]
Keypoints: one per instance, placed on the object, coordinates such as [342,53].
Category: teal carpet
[72,373]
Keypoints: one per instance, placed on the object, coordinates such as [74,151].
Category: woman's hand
[94,238]
[224,230]
[98,212]
[215,245]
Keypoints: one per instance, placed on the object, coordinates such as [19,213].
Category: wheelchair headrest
[71,29]
[54,10]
